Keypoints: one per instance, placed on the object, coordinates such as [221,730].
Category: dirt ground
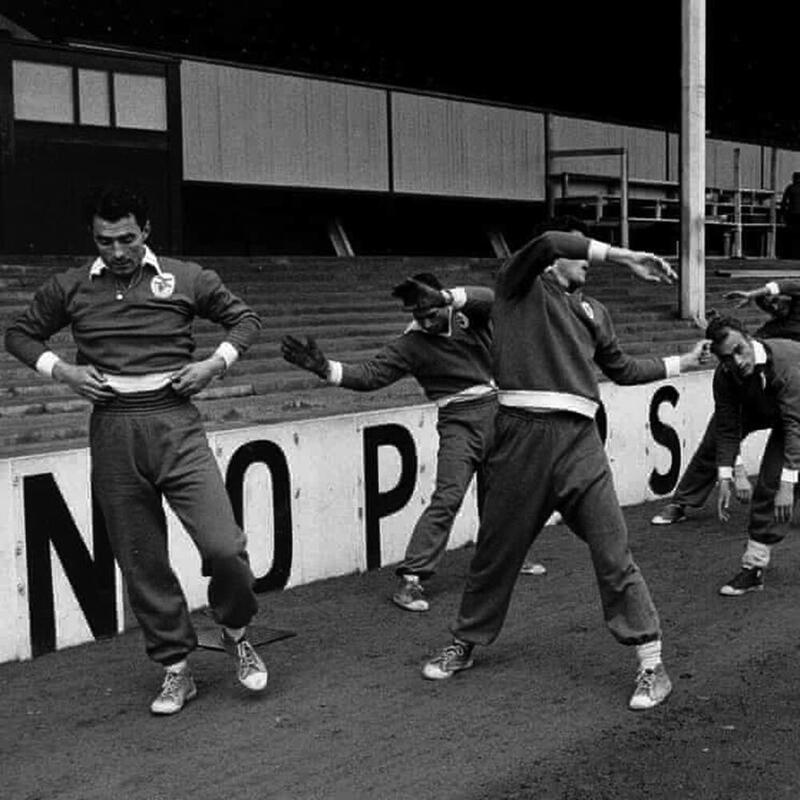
[347,715]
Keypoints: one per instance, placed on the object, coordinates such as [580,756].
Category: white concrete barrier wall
[317,498]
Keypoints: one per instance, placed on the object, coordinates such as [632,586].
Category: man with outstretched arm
[447,348]
[131,314]
[765,371]
[781,300]
[547,454]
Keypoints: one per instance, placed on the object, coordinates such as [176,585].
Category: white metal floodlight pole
[693,159]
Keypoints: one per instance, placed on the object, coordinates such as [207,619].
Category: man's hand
[742,298]
[724,499]
[419,295]
[741,484]
[700,354]
[784,502]
[194,377]
[87,381]
[647,266]
[308,355]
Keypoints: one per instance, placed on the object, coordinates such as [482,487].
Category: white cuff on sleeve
[459,295]
[672,364]
[598,251]
[228,353]
[335,372]
[725,472]
[772,287]
[46,362]
[739,461]
[788,475]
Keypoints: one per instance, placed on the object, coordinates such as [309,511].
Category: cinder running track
[347,715]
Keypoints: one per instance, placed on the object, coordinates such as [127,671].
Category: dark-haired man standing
[131,315]
[767,373]
[446,347]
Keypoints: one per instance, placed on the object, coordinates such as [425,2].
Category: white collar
[99,266]
[415,326]
[759,352]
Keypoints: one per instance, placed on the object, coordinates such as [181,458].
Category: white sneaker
[178,688]
[653,686]
[250,669]
[410,595]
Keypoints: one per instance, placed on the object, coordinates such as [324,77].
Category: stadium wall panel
[246,126]
[719,164]
[787,162]
[317,498]
[450,147]
[647,148]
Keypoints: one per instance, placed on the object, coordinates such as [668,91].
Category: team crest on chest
[163,285]
[588,309]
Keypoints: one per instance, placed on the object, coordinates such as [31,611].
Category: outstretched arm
[745,297]
[386,367]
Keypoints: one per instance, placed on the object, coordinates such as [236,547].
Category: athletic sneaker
[533,568]
[410,595]
[652,687]
[250,669]
[747,579]
[454,657]
[178,688]
[669,515]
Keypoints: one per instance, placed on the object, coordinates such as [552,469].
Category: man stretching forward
[447,348]
[547,454]
[750,372]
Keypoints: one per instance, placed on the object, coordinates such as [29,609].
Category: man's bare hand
[308,355]
[784,502]
[699,355]
[724,499]
[194,377]
[87,381]
[647,266]
[742,298]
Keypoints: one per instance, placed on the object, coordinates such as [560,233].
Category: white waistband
[549,401]
[470,393]
[126,384]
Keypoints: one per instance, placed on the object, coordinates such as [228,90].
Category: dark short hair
[429,279]
[564,222]
[115,202]
[720,327]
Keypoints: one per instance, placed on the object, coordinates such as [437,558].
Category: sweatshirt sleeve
[728,419]
[214,301]
[387,366]
[26,338]
[517,275]
[618,365]
[788,398]
[474,301]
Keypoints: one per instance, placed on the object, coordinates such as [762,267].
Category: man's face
[432,320]
[120,243]
[736,354]
[571,272]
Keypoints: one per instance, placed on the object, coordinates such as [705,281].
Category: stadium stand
[345,304]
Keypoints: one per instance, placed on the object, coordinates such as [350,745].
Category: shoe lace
[171,688]
[452,652]
[645,680]
[247,657]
